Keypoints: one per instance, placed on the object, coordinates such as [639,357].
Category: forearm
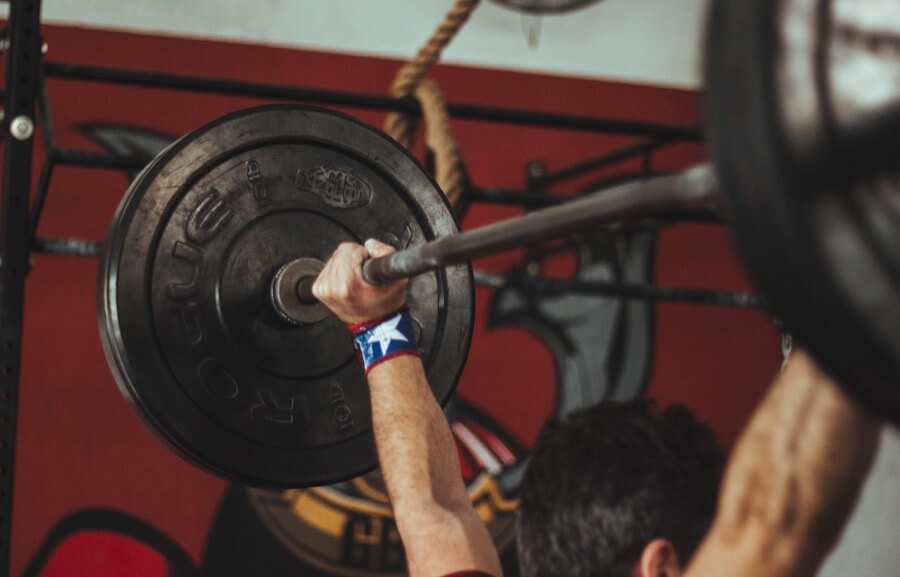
[415,446]
[439,528]
[792,481]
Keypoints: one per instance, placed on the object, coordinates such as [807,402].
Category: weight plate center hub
[292,291]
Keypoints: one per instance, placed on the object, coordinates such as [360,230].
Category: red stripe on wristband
[361,326]
[400,353]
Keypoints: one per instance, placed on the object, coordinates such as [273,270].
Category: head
[618,490]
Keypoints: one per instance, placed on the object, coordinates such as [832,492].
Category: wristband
[384,338]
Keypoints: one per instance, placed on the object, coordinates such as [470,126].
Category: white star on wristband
[385,333]
[387,339]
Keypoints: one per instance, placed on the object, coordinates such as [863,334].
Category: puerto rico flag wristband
[384,338]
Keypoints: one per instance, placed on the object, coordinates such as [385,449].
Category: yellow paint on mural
[319,515]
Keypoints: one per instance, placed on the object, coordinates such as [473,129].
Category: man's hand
[342,288]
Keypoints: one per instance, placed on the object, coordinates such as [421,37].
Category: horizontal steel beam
[367,101]
[562,286]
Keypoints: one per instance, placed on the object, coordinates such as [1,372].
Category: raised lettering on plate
[217,380]
[337,186]
[339,409]
[187,318]
[399,242]
[290,411]
[185,252]
[208,218]
[258,184]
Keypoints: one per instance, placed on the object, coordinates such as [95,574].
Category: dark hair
[603,482]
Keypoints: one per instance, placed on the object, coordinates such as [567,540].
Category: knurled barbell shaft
[625,202]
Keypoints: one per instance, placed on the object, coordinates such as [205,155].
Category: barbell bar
[625,202]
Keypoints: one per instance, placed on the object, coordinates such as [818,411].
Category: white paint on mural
[643,41]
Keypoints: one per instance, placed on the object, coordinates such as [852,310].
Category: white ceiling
[643,41]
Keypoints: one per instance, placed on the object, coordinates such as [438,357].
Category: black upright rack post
[22,69]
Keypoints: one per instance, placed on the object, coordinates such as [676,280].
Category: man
[441,532]
[789,488]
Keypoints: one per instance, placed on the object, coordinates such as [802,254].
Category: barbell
[212,333]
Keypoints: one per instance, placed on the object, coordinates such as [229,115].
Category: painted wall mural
[97,494]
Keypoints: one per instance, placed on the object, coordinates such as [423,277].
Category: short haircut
[603,482]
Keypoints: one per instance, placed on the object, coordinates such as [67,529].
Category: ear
[658,559]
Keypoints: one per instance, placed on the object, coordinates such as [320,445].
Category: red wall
[80,445]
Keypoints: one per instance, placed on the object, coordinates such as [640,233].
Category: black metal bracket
[664,132]
[22,78]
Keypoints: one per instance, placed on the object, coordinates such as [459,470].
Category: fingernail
[372,244]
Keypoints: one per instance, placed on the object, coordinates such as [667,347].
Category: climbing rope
[438,133]
[439,138]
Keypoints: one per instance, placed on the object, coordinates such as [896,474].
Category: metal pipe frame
[660,133]
[22,78]
[408,105]
[542,285]
[642,149]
